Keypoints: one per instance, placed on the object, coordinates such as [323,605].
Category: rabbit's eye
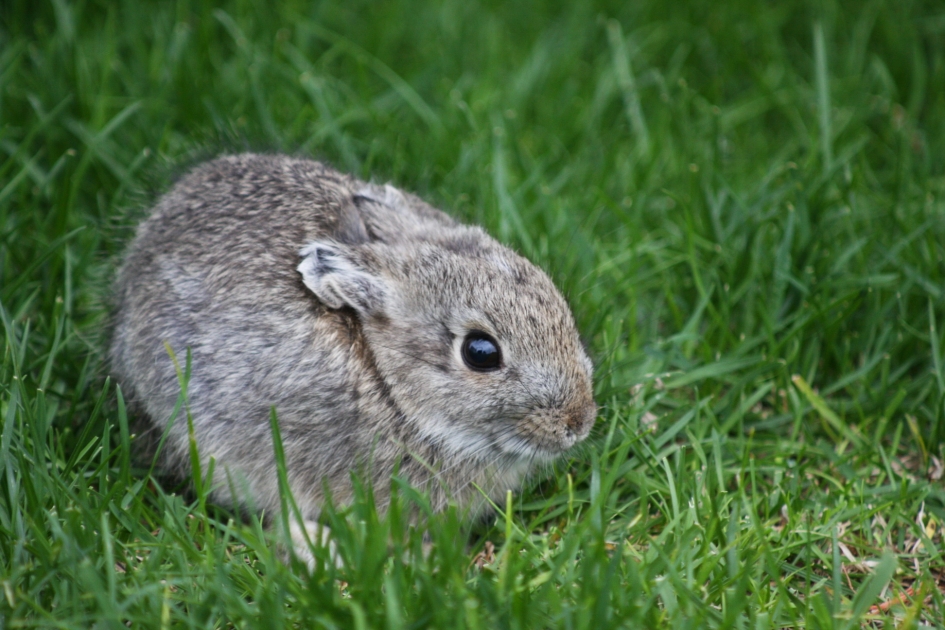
[481,352]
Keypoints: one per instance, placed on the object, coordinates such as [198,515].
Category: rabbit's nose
[580,420]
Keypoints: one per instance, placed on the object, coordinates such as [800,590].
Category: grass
[745,203]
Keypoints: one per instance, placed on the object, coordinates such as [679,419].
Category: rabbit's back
[213,271]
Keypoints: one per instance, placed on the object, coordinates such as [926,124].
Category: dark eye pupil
[480,352]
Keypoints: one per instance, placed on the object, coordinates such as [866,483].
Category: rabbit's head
[478,348]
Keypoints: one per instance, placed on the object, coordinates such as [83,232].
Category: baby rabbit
[383,332]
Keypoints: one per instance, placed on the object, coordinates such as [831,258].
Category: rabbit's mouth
[537,436]
[546,436]
[530,449]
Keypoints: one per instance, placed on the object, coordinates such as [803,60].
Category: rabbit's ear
[337,279]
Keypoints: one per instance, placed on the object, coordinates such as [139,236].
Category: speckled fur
[343,305]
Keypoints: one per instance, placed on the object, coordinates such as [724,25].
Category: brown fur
[355,340]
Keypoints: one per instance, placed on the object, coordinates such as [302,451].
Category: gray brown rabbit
[382,331]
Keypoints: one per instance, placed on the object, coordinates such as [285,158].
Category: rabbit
[387,336]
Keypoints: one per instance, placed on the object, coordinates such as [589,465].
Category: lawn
[744,203]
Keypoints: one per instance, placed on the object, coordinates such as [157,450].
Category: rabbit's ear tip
[337,279]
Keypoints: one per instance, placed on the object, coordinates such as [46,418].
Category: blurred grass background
[743,202]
